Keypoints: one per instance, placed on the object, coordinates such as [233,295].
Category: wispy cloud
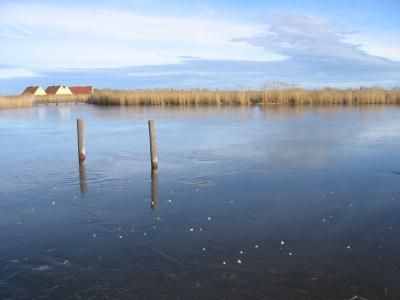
[98,37]
[8,73]
[309,38]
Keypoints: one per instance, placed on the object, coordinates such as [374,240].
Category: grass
[290,95]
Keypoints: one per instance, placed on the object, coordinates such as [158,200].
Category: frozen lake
[248,203]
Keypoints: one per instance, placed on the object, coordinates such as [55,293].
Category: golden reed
[268,95]
[326,96]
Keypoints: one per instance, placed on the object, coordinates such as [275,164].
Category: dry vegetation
[16,101]
[271,94]
[291,95]
[29,100]
[61,99]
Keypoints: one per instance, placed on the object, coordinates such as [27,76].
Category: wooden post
[153,144]
[81,139]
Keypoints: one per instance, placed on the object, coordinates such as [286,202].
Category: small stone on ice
[224,262]
[290,253]
[282,243]
[323,220]
[241,252]
[348,247]
[192,229]
[204,249]
[43,268]
[256,246]
[169,200]
[144,233]
[209,218]
[239,261]
[94,235]
[120,236]
[53,203]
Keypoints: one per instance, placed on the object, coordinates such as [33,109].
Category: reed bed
[16,101]
[269,95]
[60,99]
[326,96]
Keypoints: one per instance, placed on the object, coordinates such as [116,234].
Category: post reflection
[154,189]
[83,177]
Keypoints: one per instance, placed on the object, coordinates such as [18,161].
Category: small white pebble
[324,220]
[204,249]
[192,229]
[201,229]
[282,243]
[290,253]
[94,235]
[169,200]
[224,262]
[154,226]
[256,246]
[209,218]
[120,236]
[241,252]
[239,261]
[144,233]
[53,203]
[348,247]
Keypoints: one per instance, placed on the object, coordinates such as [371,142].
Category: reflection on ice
[83,177]
[154,189]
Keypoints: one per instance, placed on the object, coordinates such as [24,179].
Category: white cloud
[311,37]
[9,73]
[377,43]
[95,37]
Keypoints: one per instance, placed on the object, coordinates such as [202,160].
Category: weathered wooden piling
[81,139]
[153,144]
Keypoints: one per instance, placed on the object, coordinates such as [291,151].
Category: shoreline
[205,97]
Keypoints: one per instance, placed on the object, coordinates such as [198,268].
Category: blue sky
[184,44]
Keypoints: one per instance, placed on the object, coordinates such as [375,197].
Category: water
[248,203]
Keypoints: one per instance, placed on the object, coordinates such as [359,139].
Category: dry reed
[61,99]
[16,101]
[280,95]
[271,94]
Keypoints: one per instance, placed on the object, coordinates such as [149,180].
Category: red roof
[52,90]
[31,90]
[81,89]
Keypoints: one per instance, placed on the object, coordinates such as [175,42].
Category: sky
[199,43]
